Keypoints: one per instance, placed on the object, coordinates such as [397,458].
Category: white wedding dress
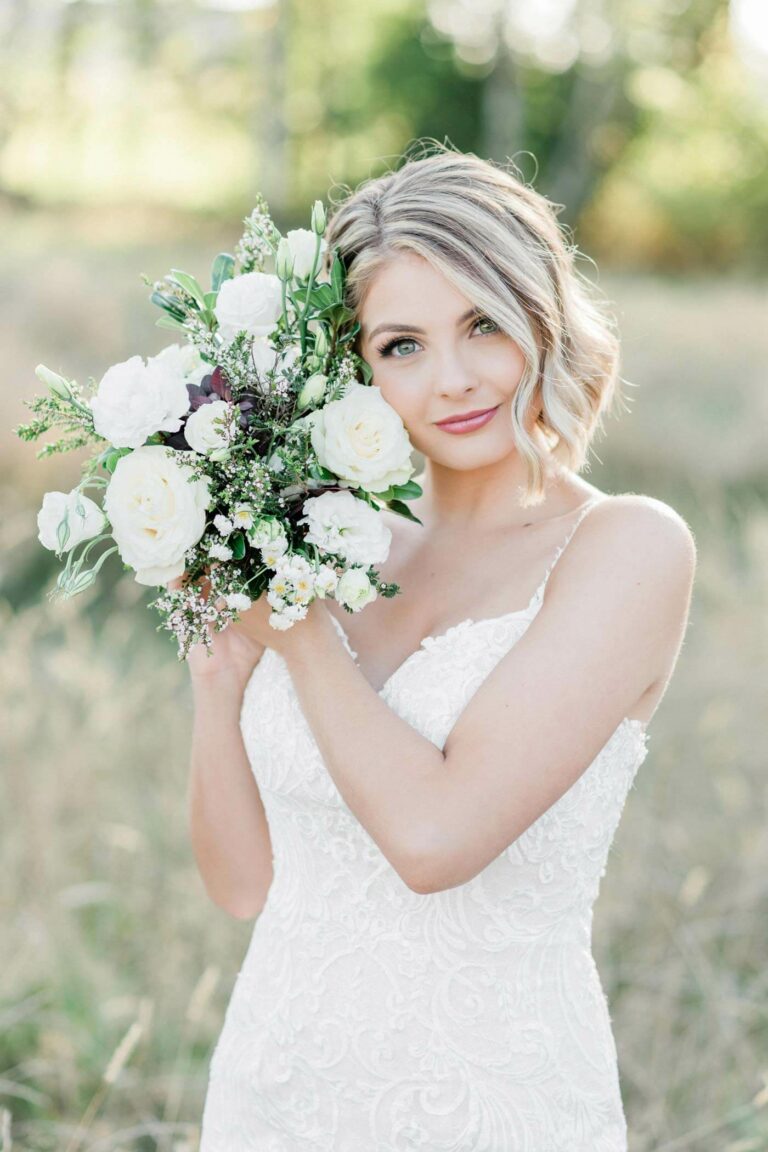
[369,1018]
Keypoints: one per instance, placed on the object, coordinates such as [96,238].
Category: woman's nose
[454,376]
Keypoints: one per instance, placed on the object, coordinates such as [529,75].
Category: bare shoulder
[644,523]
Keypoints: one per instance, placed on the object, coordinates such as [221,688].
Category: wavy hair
[498,241]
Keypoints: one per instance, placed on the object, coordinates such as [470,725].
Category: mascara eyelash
[386,348]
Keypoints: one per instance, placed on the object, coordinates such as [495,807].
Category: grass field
[107,933]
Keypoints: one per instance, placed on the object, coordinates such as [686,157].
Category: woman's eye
[389,349]
[487,320]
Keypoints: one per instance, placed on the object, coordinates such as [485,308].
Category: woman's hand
[254,623]
[234,653]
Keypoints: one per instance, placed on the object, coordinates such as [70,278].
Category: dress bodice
[368,1016]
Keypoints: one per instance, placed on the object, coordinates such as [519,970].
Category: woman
[418,801]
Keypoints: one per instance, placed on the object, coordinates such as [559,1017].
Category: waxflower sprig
[254,458]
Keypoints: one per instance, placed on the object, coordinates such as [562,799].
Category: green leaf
[403,510]
[366,371]
[111,458]
[169,322]
[189,284]
[337,276]
[168,304]
[237,544]
[210,300]
[408,491]
[223,269]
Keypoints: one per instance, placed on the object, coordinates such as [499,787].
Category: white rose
[157,514]
[210,427]
[302,245]
[182,361]
[249,303]
[339,522]
[362,439]
[84,524]
[355,589]
[134,400]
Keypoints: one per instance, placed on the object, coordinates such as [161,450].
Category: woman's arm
[613,621]
[228,826]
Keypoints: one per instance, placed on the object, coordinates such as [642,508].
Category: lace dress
[369,1018]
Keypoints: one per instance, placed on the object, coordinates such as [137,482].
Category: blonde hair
[499,242]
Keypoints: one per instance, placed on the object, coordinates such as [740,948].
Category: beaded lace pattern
[370,1018]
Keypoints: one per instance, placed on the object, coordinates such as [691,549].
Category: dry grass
[116,969]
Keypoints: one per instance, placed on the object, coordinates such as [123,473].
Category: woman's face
[435,356]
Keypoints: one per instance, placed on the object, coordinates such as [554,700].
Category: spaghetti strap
[587,508]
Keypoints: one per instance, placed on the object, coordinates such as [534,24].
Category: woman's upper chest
[443,581]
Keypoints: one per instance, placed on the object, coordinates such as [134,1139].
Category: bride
[417,801]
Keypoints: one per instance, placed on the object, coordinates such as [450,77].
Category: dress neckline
[438,637]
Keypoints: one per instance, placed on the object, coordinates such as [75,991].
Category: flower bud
[284,260]
[312,391]
[321,342]
[318,217]
[55,383]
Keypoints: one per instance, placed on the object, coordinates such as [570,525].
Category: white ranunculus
[156,511]
[355,589]
[134,400]
[302,245]
[249,303]
[182,361]
[92,522]
[204,431]
[362,439]
[339,522]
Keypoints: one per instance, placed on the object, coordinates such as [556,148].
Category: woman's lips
[456,427]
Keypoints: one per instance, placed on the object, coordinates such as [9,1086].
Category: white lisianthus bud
[85,520]
[53,382]
[312,390]
[223,525]
[266,530]
[318,217]
[275,463]
[284,259]
[303,244]
[321,342]
[355,589]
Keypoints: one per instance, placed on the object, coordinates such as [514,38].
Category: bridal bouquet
[253,458]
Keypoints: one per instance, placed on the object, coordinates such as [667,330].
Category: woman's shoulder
[646,516]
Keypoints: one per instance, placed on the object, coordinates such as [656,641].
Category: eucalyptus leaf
[189,284]
[223,269]
[169,322]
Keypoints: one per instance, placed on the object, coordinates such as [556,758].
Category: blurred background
[133,137]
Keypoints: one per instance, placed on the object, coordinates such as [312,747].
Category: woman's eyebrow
[411,328]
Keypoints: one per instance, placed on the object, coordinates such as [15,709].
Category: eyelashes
[386,349]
